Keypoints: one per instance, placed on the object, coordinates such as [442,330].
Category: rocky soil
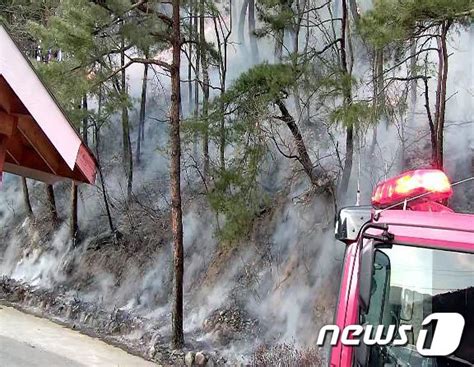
[246,303]
[121,328]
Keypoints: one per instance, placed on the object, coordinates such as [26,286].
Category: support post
[7,125]
[3,153]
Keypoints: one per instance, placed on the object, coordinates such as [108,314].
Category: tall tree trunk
[99,164]
[348,162]
[441,95]
[307,79]
[347,96]
[205,88]
[380,97]
[296,42]
[102,182]
[243,13]
[413,100]
[414,82]
[252,37]
[375,101]
[73,227]
[175,180]
[222,132]
[222,48]
[141,122]
[303,156]
[431,123]
[354,10]
[190,50]
[26,197]
[127,156]
[197,85]
[279,39]
[318,178]
[53,212]
[85,121]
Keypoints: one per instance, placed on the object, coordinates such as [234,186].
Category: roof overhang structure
[36,138]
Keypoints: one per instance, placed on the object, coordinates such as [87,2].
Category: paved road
[29,341]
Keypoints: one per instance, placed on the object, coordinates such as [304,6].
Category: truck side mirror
[365,274]
[349,222]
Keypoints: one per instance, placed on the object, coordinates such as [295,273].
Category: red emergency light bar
[431,184]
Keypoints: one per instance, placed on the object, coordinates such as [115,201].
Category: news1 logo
[446,335]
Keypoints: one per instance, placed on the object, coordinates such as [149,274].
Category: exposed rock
[151,352]
[177,358]
[200,359]
[189,359]
[230,324]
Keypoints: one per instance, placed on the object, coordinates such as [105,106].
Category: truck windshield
[411,283]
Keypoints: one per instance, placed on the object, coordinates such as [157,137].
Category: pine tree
[424,25]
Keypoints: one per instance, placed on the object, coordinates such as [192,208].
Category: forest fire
[227,136]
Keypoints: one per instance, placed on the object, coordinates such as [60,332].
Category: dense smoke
[285,274]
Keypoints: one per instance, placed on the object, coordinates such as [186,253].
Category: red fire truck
[407,256]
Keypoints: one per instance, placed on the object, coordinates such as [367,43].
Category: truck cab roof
[444,229]
[435,229]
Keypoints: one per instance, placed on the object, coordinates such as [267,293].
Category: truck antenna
[358,179]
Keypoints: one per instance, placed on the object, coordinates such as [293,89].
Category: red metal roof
[36,138]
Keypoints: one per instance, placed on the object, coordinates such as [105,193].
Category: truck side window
[410,283]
